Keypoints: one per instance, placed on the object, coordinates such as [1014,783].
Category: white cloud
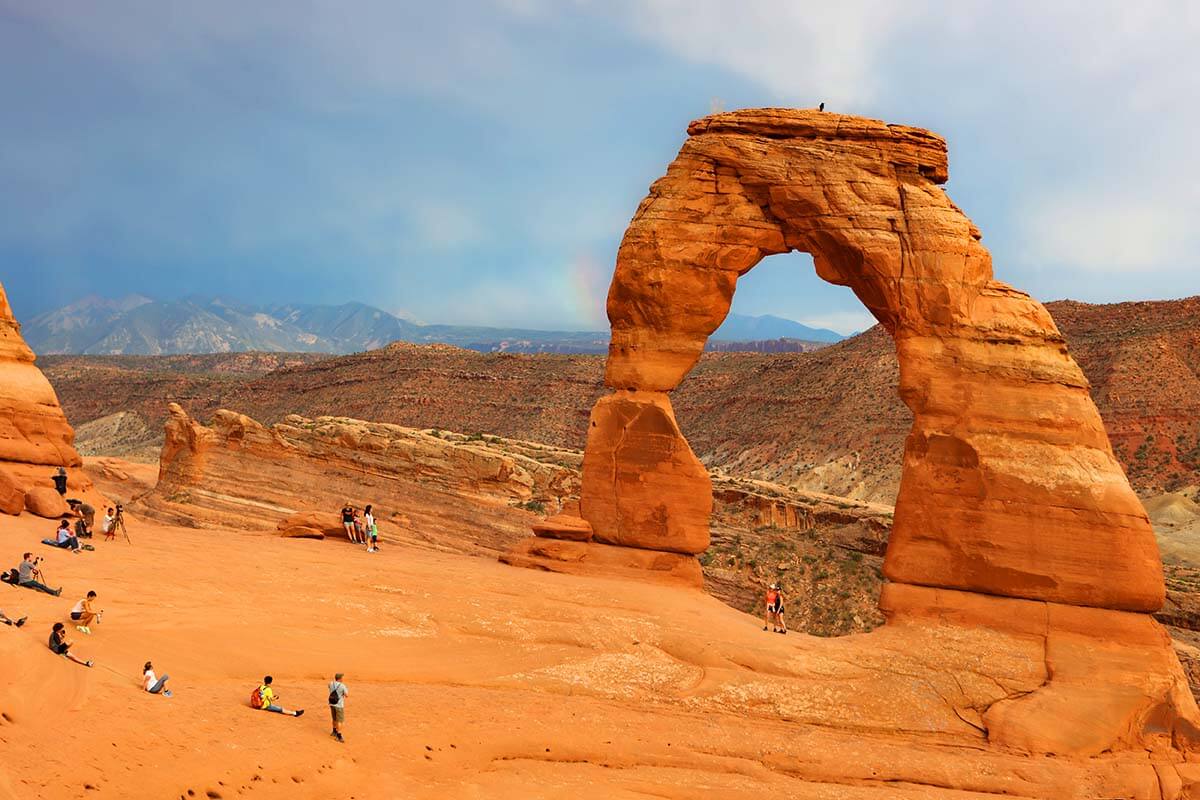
[843,322]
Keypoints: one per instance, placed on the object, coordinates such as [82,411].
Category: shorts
[76,615]
[775,609]
[61,650]
[338,713]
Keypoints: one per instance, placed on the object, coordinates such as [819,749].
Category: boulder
[301,532]
[562,526]
[12,496]
[312,521]
[46,502]
[594,558]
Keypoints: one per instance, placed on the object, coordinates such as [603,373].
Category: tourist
[774,613]
[15,623]
[267,699]
[154,684]
[371,529]
[360,530]
[63,537]
[337,704]
[60,481]
[86,512]
[60,645]
[108,526]
[29,576]
[348,521]
[83,613]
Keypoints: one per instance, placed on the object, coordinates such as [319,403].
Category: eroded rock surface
[1009,486]
[33,429]
[236,471]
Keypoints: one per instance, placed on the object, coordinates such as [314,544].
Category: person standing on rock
[29,576]
[337,704]
[348,521]
[774,612]
[60,481]
[370,531]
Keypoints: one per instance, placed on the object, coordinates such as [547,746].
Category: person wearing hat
[774,613]
[337,705]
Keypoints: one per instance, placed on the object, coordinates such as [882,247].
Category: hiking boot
[166,692]
[82,629]
[89,664]
[58,591]
[299,712]
[21,621]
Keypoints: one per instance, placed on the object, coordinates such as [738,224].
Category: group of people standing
[360,526]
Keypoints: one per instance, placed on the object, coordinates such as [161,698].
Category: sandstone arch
[1009,484]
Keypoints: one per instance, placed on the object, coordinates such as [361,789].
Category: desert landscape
[982,512]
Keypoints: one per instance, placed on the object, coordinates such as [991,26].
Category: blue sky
[476,162]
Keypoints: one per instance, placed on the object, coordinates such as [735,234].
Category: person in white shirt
[154,684]
[84,615]
[107,525]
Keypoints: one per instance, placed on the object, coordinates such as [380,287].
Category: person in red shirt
[773,617]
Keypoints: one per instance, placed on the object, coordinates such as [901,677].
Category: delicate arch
[1009,484]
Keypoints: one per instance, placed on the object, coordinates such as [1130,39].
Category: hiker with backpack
[60,481]
[264,698]
[60,645]
[337,704]
[29,576]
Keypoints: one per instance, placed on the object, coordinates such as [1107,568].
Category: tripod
[119,522]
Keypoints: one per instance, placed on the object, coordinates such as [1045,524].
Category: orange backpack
[256,700]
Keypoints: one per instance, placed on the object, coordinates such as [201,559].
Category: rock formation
[34,433]
[1013,514]
[238,472]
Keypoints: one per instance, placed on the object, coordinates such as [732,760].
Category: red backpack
[256,700]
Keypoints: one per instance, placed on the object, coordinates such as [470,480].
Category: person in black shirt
[348,521]
[60,481]
[60,645]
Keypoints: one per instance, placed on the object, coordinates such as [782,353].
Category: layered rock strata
[1013,515]
[34,433]
[424,488]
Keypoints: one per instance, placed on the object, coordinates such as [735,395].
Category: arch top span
[1009,485]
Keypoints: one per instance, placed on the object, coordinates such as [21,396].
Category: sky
[477,162]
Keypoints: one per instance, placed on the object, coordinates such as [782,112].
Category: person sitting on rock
[774,613]
[154,684]
[60,645]
[60,481]
[269,698]
[29,576]
[17,623]
[348,521]
[109,525]
[64,538]
[83,614]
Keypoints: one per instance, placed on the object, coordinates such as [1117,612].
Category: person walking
[337,704]
[154,684]
[267,699]
[60,645]
[60,481]
[84,615]
[29,576]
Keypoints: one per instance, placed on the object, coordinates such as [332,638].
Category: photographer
[29,575]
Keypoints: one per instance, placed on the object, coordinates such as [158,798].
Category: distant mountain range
[137,325]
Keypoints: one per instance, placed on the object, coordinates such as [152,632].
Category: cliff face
[238,472]
[33,428]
